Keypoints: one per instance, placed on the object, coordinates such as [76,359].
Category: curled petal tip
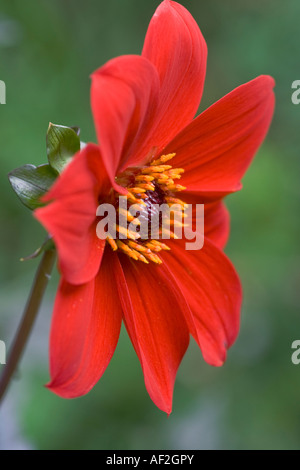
[268,79]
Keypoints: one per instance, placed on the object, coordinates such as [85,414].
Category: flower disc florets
[148,187]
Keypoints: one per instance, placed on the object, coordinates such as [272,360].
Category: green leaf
[76,129]
[62,143]
[31,182]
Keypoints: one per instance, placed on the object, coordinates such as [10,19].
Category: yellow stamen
[136,221]
[142,258]
[112,243]
[176,171]
[157,245]
[156,259]
[133,199]
[127,233]
[147,186]
[163,159]
[155,169]
[161,176]
[157,178]
[174,187]
[153,247]
[138,247]
[164,179]
[131,252]
[163,246]
[173,200]
[126,214]
[127,250]
[169,234]
[137,190]
[146,178]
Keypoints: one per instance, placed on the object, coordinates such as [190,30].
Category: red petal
[217,147]
[216,220]
[124,94]
[71,218]
[211,287]
[175,45]
[85,329]
[216,223]
[154,321]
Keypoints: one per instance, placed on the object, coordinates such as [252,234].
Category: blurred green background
[47,51]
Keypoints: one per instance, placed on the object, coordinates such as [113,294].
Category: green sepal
[48,244]
[62,143]
[31,182]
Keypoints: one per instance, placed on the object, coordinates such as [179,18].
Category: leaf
[31,182]
[62,143]
[76,129]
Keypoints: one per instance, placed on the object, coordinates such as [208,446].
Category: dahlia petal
[124,95]
[71,217]
[211,287]
[216,223]
[217,147]
[216,220]
[84,333]
[176,47]
[156,326]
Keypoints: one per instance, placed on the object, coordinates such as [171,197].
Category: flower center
[150,186]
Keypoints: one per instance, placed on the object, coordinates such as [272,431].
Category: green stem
[40,282]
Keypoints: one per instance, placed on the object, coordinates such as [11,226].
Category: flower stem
[40,282]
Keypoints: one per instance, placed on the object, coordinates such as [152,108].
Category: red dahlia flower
[143,108]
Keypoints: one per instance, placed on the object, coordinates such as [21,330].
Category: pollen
[149,186]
